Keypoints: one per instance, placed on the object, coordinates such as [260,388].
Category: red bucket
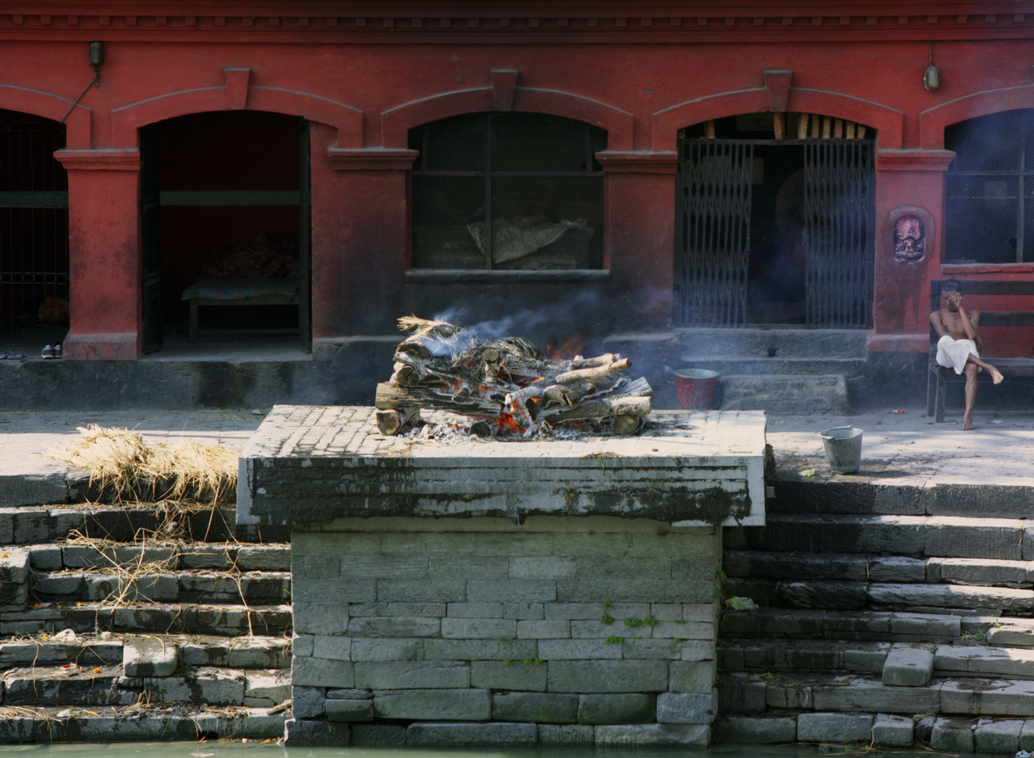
[695,388]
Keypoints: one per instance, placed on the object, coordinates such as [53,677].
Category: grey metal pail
[843,448]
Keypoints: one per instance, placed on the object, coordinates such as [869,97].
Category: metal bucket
[843,448]
[695,388]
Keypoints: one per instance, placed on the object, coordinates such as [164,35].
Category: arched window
[989,190]
[532,179]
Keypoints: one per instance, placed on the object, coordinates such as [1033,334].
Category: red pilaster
[640,204]
[104,265]
[360,226]
[908,182]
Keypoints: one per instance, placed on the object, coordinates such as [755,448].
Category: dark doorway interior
[34,292]
[225,216]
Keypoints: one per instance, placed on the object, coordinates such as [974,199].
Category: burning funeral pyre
[507,386]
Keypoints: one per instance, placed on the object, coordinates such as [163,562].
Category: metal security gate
[34,307]
[839,216]
[714,201]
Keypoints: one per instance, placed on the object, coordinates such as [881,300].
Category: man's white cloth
[952,353]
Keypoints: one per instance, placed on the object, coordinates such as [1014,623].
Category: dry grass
[121,463]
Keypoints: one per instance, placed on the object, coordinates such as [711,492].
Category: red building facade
[317,119]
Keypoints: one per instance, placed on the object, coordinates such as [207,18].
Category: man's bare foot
[967,423]
[996,376]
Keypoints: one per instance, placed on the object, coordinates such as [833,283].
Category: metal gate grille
[839,212]
[714,186]
[33,232]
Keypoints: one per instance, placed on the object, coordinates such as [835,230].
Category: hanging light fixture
[932,75]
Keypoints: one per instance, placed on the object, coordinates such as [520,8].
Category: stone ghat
[489,592]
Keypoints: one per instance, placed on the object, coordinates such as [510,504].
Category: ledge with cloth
[223,292]
[937,377]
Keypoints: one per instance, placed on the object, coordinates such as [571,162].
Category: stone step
[853,693]
[698,343]
[155,618]
[733,365]
[908,536]
[72,685]
[139,723]
[107,649]
[219,556]
[55,523]
[811,495]
[981,572]
[785,393]
[919,598]
[819,656]
[260,587]
[854,626]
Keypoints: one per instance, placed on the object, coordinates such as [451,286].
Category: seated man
[957,346]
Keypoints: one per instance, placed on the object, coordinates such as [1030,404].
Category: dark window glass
[532,179]
[989,190]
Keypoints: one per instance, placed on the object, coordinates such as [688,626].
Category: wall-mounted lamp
[932,75]
[96,59]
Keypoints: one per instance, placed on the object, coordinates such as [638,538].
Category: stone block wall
[581,630]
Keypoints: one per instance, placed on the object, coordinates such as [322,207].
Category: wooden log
[590,374]
[391,422]
[392,397]
[600,408]
[599,360]
[627,424]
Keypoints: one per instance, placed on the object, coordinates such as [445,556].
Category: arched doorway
[34,293]
[225,225]
[776,222]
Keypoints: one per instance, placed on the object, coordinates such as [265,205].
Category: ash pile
[506,387]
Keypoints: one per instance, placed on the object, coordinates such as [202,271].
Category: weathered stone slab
[788,695]
[994,599]
[265,689]
[984,661]
[566,735]
[535,707]
[475,610]
[503,735]
[148,656]
[755,729]
[953,735]
[908,667]
[513,675]
[523,611]
[321,672]
[965,537]
[686,708]
[349,710]
[304,733]
[417,675]
[987,698]
[433,705]
[983,572]
[628,708]
[653,735]
[436,590]
[203,686]
[834,727]
[850,694]
[320,618]
[535,629]
[474,628]
[1000,736]
[607,676]
[664,649]
[307,702]
[387,649]
[1011,635]
[566,650]
[378,735]
[479,649]
[413,610]
[394,626]
[691,676]
[892,731]
[334,648]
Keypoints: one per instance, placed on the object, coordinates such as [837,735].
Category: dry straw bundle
[122,465]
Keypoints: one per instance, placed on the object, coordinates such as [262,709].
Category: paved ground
[903,447]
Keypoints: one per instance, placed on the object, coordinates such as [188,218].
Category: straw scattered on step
[120,462]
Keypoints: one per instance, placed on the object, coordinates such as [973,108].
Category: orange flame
[567,350]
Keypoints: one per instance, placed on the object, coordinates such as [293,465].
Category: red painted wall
[640,70]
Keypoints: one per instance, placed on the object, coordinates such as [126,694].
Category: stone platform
[556,591]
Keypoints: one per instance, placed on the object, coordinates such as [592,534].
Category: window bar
[488,194]
[1020,192]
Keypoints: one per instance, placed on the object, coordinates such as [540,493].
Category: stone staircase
[779,370]
[141,623]
[886,615]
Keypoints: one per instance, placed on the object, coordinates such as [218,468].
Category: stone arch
[933,121]
[396,122]
[665,124]
[348,121]
[76,117]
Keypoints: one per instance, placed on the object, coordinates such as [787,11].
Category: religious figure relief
[909,239]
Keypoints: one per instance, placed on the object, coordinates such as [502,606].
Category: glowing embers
[506,386]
